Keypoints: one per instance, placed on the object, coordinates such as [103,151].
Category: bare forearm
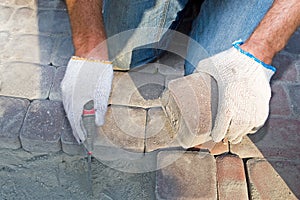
[274,31]
[87,27]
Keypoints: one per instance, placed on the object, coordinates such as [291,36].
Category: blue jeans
[219,23]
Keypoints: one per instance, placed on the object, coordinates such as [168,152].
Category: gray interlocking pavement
[35,37]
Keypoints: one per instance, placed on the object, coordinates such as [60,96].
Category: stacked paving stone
[36,45]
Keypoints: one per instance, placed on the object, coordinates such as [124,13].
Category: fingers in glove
[237,130]
[238,139]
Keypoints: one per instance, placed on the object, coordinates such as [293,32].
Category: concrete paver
[231,178]
[268,182]
[63,51]
[55,92]
[12,114]
[294,93]
[42,126]
[191,176]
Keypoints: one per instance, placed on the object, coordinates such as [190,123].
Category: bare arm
[274,31]
[87,27]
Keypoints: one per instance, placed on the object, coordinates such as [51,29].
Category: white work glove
[86,80]
[244,92]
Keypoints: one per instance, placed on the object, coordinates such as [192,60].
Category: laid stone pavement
[36,44]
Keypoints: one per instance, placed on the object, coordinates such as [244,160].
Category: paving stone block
[26,3]
[54,21]
[18,49]
[5,14]
[294,94]
[293,43]
[26,80]
[42,127]
[63,52]
[246,149]
[52,4]
[4,39]
[170,78]
[213,147]
[159,133]
[171,64]
[55,92]
[190,104]
[231,178]
[186,176]
[24,20]
[137,89]
[147,68]
[12,114]
[68,141]
[124,128]
[270,179]
[285,64]
[278,138]
[279,103]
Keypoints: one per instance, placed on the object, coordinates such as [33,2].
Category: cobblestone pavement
[41,160]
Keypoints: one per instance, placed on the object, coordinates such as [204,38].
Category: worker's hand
[86,80]
[244,92]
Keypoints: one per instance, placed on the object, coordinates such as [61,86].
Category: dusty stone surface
[159,133]
[42,127]
[32,83]
[231,178]
[12,114]
[279,104]
[137,89]
[53,21]
[191,176]
[55,92]
[63,52]
[294,93]
[246,149]
[269,179]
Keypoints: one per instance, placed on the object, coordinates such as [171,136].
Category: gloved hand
[244,92]
[86,80]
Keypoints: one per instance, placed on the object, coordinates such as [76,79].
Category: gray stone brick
[5,13]
[29,48]
[137,89]
[293,43]
[27,3]
[171,64]
[186,176]
[12,114]
[55,92]
[42,127]
[54,21]
[26,80]
[273,179]
[294,93]
[124,128]
[63,52]
[68,141]
[147,68]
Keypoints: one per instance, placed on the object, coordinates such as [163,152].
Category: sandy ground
[26,175]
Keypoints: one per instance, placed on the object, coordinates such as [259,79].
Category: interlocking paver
[285,64]
[246,149]
[26,80]
[292,45]
[137,89]
[213,147]
[55,92]
[124,128]
[147,68]
[5,13]
[279,104]
[191,176]
[294,94]
[271,179]
[27,3]
[51,4]
[24,20]
[190,103]
[12,114]
[54,21]
[231,178]
[159,133]
[42,127]
[68,141]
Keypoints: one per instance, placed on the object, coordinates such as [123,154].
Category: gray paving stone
[24,20]
[26,80]
[191,117]
[186,176]
[5,13]
[18,49]
[55,92]
[246,149]
[12,114]
[42,127]
[54,21]
[124,128]
[273,179]
[294,94]
[51,4]
[63,52]
[68,141]
[137,89]
[159,133]
[293,43]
